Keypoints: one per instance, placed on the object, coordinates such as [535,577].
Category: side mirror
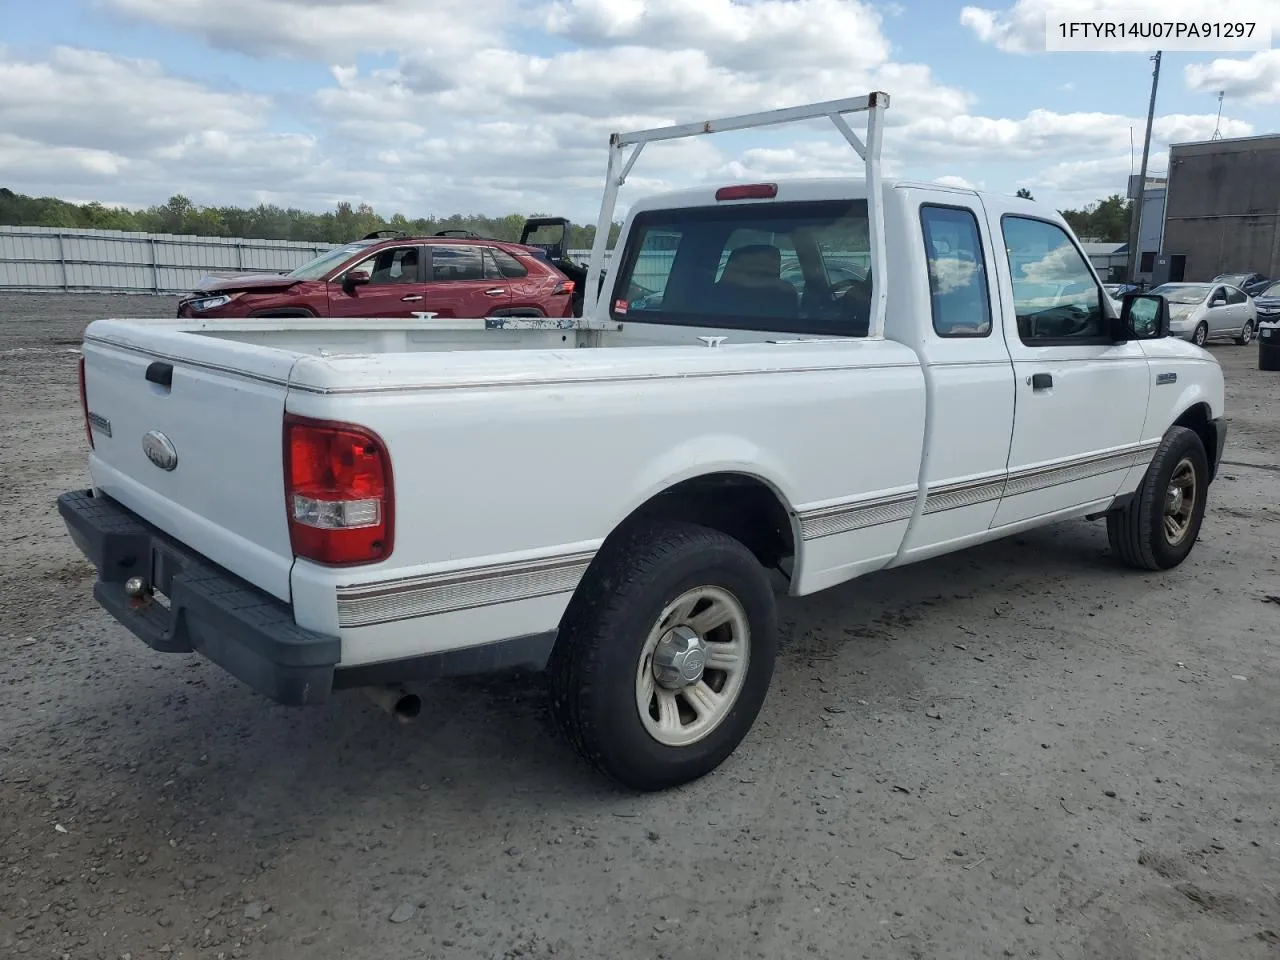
[1144,316]
[355,278]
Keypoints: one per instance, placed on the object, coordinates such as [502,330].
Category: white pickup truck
[778,386]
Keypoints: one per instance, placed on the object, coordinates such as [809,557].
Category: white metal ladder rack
[873,105]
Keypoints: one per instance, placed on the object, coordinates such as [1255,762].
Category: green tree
[347,221]
[1106,221]
[1024,193]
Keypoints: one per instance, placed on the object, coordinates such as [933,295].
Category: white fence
[54,259]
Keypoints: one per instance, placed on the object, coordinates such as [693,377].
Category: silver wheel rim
[1199,336]
[693,666]
[1179,502]
[1247,333]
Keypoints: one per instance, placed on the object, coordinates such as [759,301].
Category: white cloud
[22,158]
[463,116]
[757,37]
[951,180]
[334,30]
[1256,78]
[1077,182]
[1020,28]
[84,98]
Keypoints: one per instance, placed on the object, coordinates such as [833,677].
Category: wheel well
[1198,420]
[741,506]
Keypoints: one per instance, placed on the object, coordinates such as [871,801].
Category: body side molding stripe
[425,596]
[406,598]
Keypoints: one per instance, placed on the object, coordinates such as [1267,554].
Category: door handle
[1041,381]
[495,292]
[411,298]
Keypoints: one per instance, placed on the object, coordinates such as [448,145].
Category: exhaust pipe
[402,704]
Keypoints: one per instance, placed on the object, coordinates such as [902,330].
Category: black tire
[1201,334]
[1137,532]
[1246,334]
[602,639]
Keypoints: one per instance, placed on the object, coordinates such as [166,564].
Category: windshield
[1235,279]
[1271,291]
[1183,292]
[322,264]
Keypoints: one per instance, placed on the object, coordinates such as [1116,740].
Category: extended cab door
[1080,399]
[397,285]
[460,287]
[968,373]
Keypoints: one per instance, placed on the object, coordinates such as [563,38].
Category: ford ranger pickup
[777,387]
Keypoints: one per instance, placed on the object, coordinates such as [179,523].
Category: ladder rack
[873,105]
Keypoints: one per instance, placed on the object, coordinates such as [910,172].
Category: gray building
[1152,226]
[1222,213]
[1107,258]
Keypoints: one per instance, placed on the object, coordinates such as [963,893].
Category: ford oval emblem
[159,450]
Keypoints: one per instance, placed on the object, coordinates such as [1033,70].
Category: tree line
[179,215]
[1104,221]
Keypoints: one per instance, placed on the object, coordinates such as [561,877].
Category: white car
[1200,312]
[318,504]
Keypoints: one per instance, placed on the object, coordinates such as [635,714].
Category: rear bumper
[242,629]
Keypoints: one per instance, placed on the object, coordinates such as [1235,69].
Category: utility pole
[1135,220]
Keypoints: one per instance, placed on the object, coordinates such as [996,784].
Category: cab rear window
[800,268]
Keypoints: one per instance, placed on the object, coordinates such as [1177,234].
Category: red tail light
[338,492]
[563,288]
[748,191]
[84,404]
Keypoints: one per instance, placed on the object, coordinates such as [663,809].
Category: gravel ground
[1018,751]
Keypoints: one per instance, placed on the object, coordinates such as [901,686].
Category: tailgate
[187,434]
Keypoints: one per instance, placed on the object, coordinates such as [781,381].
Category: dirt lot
[1019,751]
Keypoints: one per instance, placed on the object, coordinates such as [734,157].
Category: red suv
[399,276]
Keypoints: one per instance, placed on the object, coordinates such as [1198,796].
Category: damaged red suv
[399,276]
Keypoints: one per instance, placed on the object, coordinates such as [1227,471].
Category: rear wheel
[1201,334]
[1246,334]
[665,655]
[1159,526]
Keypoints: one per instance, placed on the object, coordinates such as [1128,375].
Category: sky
[433,107]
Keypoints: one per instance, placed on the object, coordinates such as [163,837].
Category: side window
[1055,296]
[1218,297]
[1235,295]
[450,263]
[393,265]
[957,272]
[507,265]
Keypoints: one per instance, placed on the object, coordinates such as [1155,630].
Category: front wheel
[665,655]
[1201,334]
[1159,526]
[1246,334]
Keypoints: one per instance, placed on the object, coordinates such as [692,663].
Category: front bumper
[242,629]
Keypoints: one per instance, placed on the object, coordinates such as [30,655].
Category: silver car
[1209,311]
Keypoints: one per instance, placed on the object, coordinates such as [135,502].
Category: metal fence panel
[35,259]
